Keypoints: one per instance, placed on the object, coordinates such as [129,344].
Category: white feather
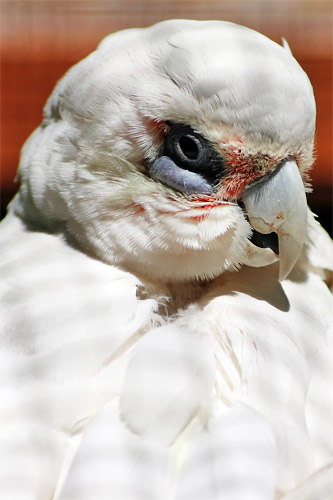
[141,358]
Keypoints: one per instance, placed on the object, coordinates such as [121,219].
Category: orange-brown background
[41,39]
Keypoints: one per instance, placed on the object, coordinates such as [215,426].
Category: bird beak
[279,205]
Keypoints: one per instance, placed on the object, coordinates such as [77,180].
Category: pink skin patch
[243,168]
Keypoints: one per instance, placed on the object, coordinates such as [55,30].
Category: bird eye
[186,148]
[188,162]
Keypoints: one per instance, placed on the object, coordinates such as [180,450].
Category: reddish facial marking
[155,127]
[243,168]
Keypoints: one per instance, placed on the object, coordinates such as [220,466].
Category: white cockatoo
[165,324]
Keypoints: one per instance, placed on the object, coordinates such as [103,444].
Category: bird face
[179,151]
[190,164]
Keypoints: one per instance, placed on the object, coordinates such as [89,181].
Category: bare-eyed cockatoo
[165,321]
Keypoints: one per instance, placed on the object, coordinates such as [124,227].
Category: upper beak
[279,205]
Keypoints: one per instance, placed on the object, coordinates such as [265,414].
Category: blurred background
[41,39]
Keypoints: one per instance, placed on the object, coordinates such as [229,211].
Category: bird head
[177,151]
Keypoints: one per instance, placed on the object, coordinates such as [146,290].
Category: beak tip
[290,249]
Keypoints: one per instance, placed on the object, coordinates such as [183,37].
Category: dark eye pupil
[189,147]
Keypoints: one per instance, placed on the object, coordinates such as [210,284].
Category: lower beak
[279,205]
